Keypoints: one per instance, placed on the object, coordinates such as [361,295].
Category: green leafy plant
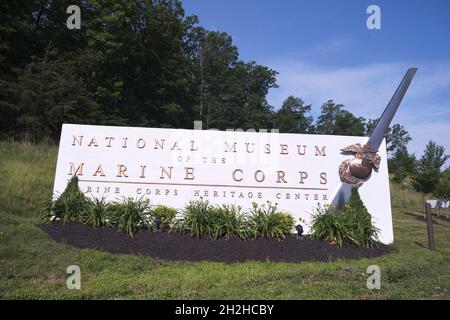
[129,215]
[164,214]
[360,230]
[269,222]
[326,224]
[46,214]
[195,220]
[228,220]
[356,203]
[351,225]
[69,206]
[97,211]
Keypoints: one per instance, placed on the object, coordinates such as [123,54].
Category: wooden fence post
[429,226]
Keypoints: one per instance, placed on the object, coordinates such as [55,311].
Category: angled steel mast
[342,194]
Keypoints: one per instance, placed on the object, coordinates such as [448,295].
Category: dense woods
[140,63]
[145,63]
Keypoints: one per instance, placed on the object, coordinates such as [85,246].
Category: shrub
[70,206]
[195,218]
[97,212]
[359,228]
[327,225]
[165,214]
[351,225]
[46,214]
[228,220]
[356,203]
[129,215]
[269,222]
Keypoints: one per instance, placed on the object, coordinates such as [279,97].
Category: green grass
[33,266]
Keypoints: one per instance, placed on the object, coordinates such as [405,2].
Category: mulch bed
[175,246]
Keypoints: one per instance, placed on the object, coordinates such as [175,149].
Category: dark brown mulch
[175,246]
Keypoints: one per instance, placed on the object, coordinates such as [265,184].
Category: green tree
[142,72]
[397,137]
[232,93]
[429,168]
[48,93]
[356,203]
[434,157]
[293,116]
[442,190]
[402,164]
[335,120]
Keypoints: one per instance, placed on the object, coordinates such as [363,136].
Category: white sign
[438,204]
[174,166]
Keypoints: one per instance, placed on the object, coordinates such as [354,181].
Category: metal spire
[343,192]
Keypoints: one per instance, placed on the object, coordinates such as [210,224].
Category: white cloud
[366,90]
[422,133]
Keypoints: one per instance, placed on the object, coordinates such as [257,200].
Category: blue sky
[323,50]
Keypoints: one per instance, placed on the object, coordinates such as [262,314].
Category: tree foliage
[397,138]
[402,164]
[442,189]
[334,119]
[293,116]
[429,167]
[138,63]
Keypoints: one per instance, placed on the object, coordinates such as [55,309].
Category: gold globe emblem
[359,169]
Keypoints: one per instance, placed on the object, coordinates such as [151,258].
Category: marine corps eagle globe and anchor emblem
[359,169]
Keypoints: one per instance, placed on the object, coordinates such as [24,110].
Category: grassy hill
[34,266]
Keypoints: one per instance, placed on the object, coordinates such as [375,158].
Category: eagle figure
[359,169]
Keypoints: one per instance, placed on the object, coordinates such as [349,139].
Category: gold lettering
[166,171]
[192,145]
[320,152]
[76,171]
[302,153]
[77,140]
[142,172]
[323,178]
[93,142]
[175,146]
[280,177]
[234,175]
[125,140]
[303,176]
[261,179]
[141,143]
[230,149]
[99,170]
[159,143]
[108,141]
[189,173]
[121,171]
